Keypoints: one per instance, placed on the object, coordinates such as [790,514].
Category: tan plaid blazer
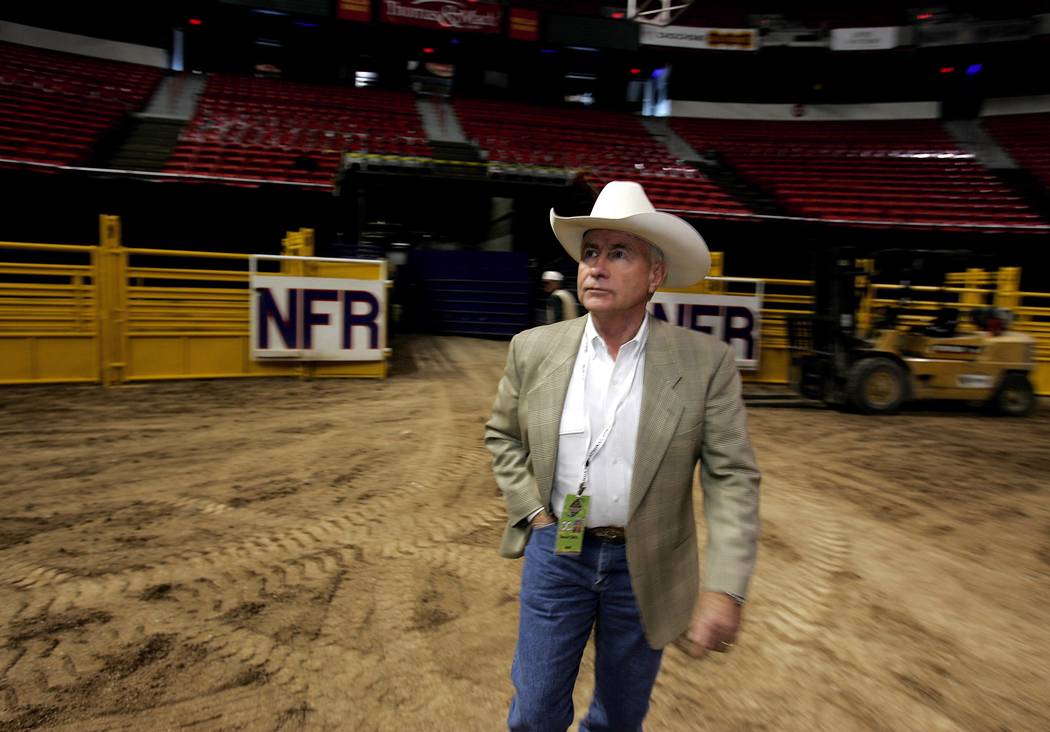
[692,411]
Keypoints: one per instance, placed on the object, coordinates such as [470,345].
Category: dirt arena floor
[283,555]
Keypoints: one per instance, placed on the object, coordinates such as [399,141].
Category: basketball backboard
[656,12]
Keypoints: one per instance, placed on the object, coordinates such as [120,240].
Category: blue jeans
[562,597]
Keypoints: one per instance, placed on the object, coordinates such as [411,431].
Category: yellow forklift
[948,357]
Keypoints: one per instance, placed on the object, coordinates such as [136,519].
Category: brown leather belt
[608,534]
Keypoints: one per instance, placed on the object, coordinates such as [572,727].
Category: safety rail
[48,312]
[781,298]
[964,291]
[1034,319]
[156,307]
[112,314]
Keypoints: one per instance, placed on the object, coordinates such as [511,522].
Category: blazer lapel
[661,410]
[546,401]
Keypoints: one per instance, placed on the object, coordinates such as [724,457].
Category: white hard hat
[550,274]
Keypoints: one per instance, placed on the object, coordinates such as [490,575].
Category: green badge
[571,525]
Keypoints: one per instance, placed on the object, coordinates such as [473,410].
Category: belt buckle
[608,533]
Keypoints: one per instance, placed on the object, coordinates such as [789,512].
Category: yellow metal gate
[109,314]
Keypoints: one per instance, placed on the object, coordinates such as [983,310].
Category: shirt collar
[591,336]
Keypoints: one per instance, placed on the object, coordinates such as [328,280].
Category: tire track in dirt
[407,619]
[277,559]
[28,575]
[794,603]
[426,553]
[267,553]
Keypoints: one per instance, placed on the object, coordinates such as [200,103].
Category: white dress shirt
[601,390]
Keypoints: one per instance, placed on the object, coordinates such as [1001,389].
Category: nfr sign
[317,318]
[732,318]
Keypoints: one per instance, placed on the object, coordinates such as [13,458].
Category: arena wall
[110,314]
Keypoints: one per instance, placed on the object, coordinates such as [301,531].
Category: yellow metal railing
[962,290]
[1033,316]
[112,314]
[49,314]
[780,299]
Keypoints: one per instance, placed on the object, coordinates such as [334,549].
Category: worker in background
[561,305]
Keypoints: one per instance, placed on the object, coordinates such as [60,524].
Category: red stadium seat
[605,145]
[898,171]
[55,106]
[259,127]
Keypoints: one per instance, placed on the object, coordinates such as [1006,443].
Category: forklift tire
[877,385]
[1015,397]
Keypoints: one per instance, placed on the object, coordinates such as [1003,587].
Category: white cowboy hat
[623,206]
[552,276]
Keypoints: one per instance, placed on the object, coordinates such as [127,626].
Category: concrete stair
[148,144]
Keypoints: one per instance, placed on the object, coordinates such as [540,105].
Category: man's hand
[543,519]
[715,624]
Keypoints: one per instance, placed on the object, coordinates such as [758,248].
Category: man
[614,410]
[560,303]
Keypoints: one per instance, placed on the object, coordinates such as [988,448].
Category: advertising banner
[354,10]
[524,25]
[317,318]
[864,39]
[452,15]
[732,318]
[683,36]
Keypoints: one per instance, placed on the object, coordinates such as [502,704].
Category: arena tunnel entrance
[465,253]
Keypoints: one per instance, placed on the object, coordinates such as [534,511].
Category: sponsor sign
[941,34]
[950,348]
[987,31]
[864,39]
[354,10]
[732,318]
[992,31]
[524,25]
[453,15]
[317,318]
[720,39]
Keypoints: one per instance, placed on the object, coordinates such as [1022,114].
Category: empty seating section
[278,130]
[1027,138]
[55,106]
[886,172]
[607,145]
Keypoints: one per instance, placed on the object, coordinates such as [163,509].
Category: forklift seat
[943,324]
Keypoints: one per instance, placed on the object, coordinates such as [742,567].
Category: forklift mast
[836,301]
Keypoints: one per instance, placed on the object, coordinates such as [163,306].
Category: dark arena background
[184,547]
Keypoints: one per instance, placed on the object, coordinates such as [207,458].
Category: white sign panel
[974,381]
[864,39]
[317,318]
[684,36]
[732,318]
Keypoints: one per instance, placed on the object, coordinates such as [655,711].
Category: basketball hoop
[656,12]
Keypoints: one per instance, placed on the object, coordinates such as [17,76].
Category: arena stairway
[148,145]
[974,138]
[715,167]
[666,136]
[439,120]
[1029,187]
[728,178]
[150,138]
